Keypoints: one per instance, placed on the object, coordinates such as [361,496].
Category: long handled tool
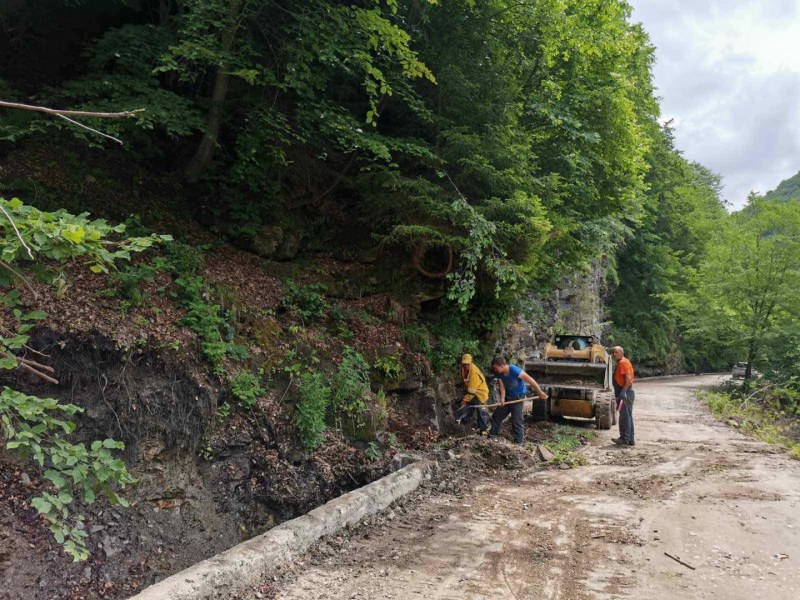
[482,406]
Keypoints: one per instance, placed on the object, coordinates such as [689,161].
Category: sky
[728,74]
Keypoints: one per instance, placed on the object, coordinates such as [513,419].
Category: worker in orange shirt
[623,390]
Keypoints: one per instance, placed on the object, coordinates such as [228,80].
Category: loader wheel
[540,410]
[603,417]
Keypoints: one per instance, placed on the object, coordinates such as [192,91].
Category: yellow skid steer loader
[576,374]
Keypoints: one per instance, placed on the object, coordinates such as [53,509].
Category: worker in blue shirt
[512,380]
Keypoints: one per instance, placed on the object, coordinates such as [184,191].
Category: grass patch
[751,418]
[565,441]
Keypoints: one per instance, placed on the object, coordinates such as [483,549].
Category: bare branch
[30,363]
[128,114]
[19,235]
[105,135]
[38,374]
[20,276]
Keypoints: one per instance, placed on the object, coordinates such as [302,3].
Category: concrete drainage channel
[248,563]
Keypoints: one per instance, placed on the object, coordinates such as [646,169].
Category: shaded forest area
[321,206]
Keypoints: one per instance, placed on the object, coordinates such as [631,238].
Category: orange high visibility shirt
[624,367]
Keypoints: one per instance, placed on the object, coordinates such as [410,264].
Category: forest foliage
[494,145]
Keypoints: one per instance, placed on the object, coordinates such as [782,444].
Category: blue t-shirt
[513,384]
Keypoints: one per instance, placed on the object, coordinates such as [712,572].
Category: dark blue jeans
[627,397]
[517,422]
[466,411]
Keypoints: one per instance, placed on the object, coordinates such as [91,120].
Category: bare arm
[502,391]
[628,382]
[532,382]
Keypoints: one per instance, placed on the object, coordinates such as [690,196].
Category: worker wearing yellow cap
[477,394]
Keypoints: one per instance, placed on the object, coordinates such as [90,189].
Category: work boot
[619,442]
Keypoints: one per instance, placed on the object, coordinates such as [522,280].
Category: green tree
[747,287]
[660,253]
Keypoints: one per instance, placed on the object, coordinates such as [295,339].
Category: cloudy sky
[728,73]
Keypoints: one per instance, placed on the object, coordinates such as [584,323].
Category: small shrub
[311,409]
[35,427]
[355,410]
[453,338]
[351,389]
[246,386]
[307,301]
[389,367]
[373,452]
[204,319]
[223,411]
[417,338]
[393,442]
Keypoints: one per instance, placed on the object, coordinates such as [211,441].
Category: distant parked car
[739,370]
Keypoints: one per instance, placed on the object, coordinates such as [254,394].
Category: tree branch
[127,114]
[19,235]
[105,135]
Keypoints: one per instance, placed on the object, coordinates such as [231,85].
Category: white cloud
[728,73]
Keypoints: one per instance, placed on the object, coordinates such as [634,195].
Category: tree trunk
[751,354]
[164,10]
[205,151]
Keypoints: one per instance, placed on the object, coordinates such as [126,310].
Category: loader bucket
[561,370]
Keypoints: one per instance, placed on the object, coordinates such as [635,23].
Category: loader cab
[573,342]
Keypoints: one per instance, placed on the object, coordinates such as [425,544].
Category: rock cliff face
[577,307]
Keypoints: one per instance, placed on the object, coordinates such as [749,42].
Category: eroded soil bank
[200,489]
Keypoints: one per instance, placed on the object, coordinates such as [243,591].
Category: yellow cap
[466,359]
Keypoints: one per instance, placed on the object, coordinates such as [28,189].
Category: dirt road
[724,504]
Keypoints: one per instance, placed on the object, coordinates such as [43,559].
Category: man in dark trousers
[476,396]
[623,390]
[512,380]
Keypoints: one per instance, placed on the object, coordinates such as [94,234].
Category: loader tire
[603,417]
[540,410]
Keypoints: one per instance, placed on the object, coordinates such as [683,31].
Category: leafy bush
[204,319]
[311,409]
[35,426]
[389,366]
[453,338]
[60,235]
[246,386]
[416,337]
[307,301]
[351,390]
[373,452]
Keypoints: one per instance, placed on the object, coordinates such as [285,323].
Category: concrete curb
[246,565]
